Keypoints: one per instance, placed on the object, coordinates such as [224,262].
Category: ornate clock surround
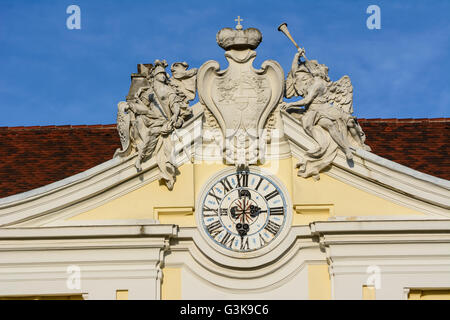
[253,252]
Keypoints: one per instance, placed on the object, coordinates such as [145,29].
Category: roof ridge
[61,127]
[404,120]
[109,126]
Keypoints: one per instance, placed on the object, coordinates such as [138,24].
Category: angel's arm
[312,94]
[295,62]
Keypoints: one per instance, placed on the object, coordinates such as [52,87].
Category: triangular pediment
[57,203]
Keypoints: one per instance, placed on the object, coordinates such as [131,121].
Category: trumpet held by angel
[325,104]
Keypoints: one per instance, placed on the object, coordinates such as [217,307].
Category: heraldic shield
[240,97]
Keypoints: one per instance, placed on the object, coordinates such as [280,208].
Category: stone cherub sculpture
[325,113]
[157,106]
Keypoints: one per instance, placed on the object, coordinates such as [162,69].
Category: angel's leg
[320,145]
[308,123]
[357,133]
[328,125]
[354,131]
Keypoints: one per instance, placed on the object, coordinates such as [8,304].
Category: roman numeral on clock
[272,227]
[242,179]
[244,244]
[276,211]
[271,195]
[212,194]
[226,185]
[262,241]
[259,183]
[227,240]
[214,212]
[208,209]
[214,228]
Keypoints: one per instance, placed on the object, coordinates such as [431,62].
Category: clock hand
[244,210]
[244,194]
[233,212]
[242,229]
[254,211]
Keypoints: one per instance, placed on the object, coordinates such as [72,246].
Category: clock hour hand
[242,229]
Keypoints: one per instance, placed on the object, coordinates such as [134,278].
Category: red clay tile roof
[32,157]
[421,144]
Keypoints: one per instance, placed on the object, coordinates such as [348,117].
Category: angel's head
[303,79]
[317,69]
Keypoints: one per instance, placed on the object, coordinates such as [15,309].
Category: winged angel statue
[325,113]
[158,105]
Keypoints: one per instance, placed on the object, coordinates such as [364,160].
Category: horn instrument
[283,28]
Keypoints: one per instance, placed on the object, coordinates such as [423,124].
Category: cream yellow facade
[312,200]
[322,200]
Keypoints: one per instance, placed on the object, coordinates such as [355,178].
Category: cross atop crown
[238,20]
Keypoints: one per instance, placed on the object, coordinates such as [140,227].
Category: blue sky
[52,75]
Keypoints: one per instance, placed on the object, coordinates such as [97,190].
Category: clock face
[243,211]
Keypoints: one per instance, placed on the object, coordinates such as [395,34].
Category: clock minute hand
[233,212]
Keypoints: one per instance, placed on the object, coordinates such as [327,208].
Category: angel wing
[290,90]
[340,93]
[123,127]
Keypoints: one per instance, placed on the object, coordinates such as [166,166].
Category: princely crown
[228,38]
